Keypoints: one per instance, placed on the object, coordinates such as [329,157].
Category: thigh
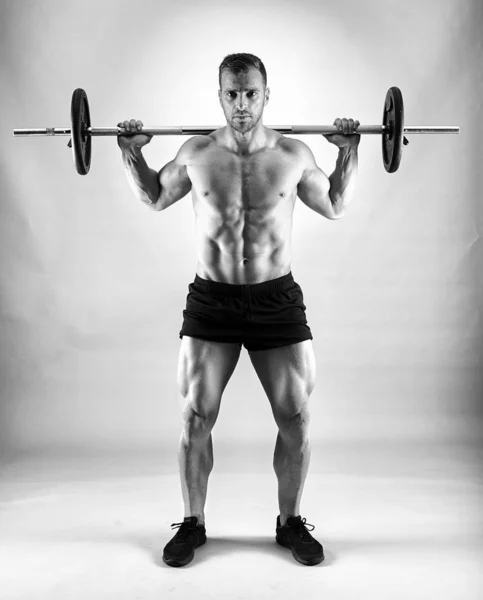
[287,375]
[204,369]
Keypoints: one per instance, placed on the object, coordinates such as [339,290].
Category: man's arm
[343,179]
[173,178]
[330,196]
[158,190]
[314,185]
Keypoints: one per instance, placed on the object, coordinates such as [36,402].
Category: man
[244,179]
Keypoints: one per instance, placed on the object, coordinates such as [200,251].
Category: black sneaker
[180,550]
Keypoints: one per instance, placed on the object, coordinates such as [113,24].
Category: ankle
[201,518]
[283,519]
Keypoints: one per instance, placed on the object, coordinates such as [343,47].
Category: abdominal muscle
[244,270]
[240,253]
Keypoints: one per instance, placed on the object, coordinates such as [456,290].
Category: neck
[248,142]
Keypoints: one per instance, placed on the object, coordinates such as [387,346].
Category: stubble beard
[246,125]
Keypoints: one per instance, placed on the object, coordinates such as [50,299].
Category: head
[243,90]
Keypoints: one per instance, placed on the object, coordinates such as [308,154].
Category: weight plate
[392,139]
[81,140]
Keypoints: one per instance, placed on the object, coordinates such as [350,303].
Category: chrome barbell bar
[203,130]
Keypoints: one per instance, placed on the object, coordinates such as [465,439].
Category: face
[243,98]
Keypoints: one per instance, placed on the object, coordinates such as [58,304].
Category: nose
[241,102]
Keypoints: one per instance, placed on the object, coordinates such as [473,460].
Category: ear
[267,96]
[219,95]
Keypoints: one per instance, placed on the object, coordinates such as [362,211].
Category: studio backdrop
[93,283]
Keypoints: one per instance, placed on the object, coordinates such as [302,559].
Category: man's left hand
[348,136]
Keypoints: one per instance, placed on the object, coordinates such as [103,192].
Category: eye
[251,94]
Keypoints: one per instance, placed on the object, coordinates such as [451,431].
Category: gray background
[93,285]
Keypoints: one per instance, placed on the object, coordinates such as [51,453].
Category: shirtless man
[244,179]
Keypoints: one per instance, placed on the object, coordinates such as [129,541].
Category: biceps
[313,190]
[174,182]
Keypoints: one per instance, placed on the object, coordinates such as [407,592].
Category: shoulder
[297,149]
[193,146]
[301,150]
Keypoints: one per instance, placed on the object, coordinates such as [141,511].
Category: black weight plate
[81,140]
[392,138]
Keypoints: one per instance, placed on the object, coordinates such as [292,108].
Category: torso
[243,208]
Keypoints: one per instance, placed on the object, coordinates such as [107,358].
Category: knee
[197,423]
[295,427]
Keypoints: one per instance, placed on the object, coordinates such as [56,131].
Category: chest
[265,175]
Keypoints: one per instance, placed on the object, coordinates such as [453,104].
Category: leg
[287,375]
[291,464]
[204,369]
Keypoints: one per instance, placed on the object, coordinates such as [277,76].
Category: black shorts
[260,316]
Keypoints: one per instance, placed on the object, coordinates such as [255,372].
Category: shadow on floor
[236,546]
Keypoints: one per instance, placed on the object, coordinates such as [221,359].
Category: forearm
[143,181]
[343,179]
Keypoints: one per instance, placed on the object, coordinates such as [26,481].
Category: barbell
[392,130]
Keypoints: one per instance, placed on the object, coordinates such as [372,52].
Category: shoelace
[183,532]
[300,528]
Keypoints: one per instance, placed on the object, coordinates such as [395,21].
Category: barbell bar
[201,130]
[392,130]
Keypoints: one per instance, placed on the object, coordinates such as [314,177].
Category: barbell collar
[46,131]
[436,129]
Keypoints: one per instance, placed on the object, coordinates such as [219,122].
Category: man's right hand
[135,140]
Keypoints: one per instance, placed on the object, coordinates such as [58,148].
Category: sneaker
[180,550]
[295,536]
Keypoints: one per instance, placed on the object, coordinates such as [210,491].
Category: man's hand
[347,127]
[135,141]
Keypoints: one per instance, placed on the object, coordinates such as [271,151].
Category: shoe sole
[308,562]
[175,562]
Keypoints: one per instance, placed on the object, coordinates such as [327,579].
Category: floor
[396,522]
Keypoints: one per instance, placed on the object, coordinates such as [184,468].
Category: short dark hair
[242,63]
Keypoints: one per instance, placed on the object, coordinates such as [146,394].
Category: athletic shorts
[260,316]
